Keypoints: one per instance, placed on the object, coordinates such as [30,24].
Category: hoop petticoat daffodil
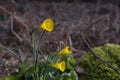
[65,50]
[59,65]
[47,25]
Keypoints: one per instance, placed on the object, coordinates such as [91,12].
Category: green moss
[98,70]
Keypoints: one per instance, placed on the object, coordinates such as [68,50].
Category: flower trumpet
[59,65]
[65,50]
[47,25]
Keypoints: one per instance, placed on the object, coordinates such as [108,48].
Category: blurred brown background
[99,20]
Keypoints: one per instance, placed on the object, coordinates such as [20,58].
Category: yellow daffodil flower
[65,50]
[59,65]
[47,25]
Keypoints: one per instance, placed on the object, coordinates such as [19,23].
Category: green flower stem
[44,69]
[41,36]
[39,44]
[33,50]
[33,47]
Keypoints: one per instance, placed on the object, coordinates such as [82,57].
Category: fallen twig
[13,53]
[12,30]
[15,17]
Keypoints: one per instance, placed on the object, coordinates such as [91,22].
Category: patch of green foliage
[10,77]
[45,72]
[54,66]
[98,70]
